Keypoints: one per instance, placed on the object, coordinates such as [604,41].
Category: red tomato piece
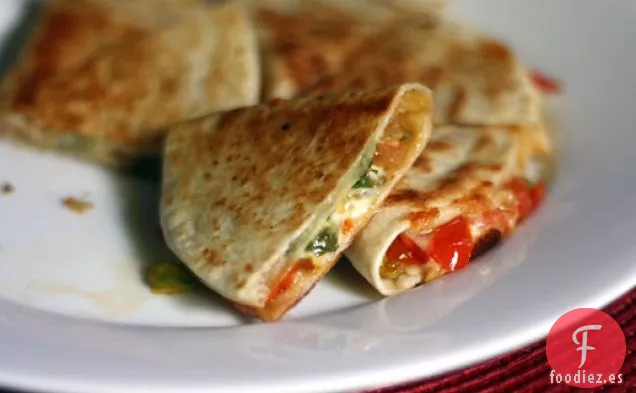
[416,251]
[522,194]
[290,278]
[405,251]
[537,193]
[347,226]
[451,244]
[545,84]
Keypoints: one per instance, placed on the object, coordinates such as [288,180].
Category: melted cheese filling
[353,207]
[402,276]
[358,192]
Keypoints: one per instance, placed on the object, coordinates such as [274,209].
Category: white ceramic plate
[76,317]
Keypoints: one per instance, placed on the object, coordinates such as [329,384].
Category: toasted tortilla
[260,202]
[474,174]
[303,42]
[121,71]
[476,80]
[70,31]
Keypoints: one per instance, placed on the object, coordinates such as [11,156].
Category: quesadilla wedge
[476,80]
[303,42]
[109,104]
[67,32]
[261,202]
[471,187]
[70,31]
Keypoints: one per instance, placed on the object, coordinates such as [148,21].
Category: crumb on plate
[7,188]
[77,205]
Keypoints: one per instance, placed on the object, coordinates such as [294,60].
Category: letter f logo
[584,347]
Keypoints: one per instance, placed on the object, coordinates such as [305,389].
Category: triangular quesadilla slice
[261,202]
[109,105]
[468,189]
[476,80]
[67,32]
[303,42]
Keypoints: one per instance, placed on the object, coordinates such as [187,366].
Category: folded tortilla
[260,202]
[303,42]
[467,190]
[70,31]
[476,80]
[100,79]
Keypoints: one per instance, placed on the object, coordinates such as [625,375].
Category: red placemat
[527,370]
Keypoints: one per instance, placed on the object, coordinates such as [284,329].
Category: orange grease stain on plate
[113,303]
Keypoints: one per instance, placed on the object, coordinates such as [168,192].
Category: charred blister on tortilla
[419,257]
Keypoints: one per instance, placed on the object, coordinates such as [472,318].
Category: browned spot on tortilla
[492,167]
[241,284]
[496,50]
[459,103]
[449,182]
[170,86]
[275,101]
[207,176]
[477,202]
[211,257]
[485,143]
[432,76]
[423,163]
[476,198]
[175,157]
[438,146]
[249,268]
[483,188]
[221,202]
[469,169]
[406,196]
[423,218]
